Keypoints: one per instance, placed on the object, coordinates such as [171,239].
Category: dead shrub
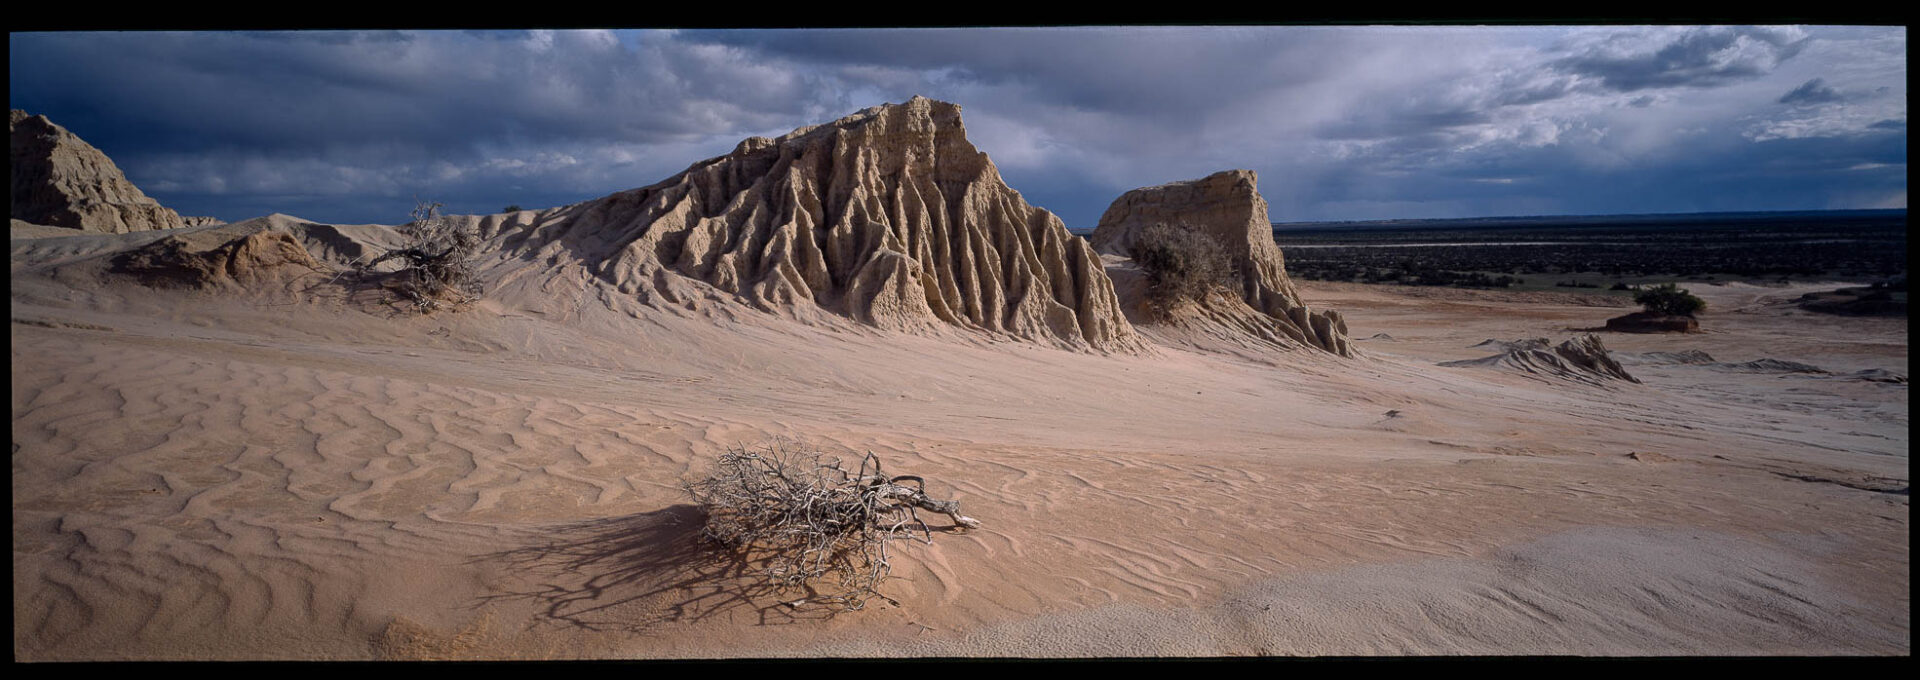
[436,265]
[809,523]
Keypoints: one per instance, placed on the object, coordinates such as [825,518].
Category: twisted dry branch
[812,522]
[437,264]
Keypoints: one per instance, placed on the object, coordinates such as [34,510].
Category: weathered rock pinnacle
[1227,206]
[888,216]
[60,180]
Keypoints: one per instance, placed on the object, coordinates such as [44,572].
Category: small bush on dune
[809,523]
[1670,300]
[1180,263]
[436,265]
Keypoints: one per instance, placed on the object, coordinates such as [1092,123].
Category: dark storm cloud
[1706,56]
[1405,123]
[1813,92]
[1724,172]
[437,91]
[1533,94]
[352,113]
[1132,70]
[1341,122]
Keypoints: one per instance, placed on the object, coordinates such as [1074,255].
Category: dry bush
[1180,263]
[813,524]
[436,265]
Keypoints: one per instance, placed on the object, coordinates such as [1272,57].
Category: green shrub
[1669,299]
[1179,263]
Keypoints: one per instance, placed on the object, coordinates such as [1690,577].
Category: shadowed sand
[269,475]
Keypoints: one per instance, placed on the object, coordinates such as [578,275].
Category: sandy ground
[212,475]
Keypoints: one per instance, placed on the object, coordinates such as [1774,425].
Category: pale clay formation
[888,216]
[60,180]
[1227,206]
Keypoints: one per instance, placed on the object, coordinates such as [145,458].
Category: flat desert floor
[207,475]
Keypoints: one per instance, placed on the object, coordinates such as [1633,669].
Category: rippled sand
[199,476]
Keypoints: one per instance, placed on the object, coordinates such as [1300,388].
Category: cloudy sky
[1342,123]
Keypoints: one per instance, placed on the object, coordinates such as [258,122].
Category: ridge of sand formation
[1581,359]
[889,217]
[245,254]
[1690,357]
[1228,207]
[60,180]
[1694,358]
[1653,322]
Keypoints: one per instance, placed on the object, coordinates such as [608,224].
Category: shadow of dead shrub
[634,572]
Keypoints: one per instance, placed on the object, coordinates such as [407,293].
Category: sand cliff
[888,217]
[1227,207]
[241,468]
[60,180]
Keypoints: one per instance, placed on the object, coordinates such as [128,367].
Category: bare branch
[436,265]
[813,523]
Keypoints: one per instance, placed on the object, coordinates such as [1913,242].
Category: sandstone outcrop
[60,180]
[1227,207]
[888,216]
[1690,357]
[1857,301]
[1582,359]
[1650,322]
[211,260]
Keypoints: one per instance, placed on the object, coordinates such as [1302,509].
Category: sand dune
[271,463]
[1227,209]
[222,481]
[888,218]
[1582,359]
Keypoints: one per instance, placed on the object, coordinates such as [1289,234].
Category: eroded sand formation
[1580,359]
[888,216]
[192,260]
[1650,322]
[199,476]
[60,180]
[1227,206]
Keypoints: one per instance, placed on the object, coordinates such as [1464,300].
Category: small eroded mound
[1511,345]
[1649,322]
[1582,359]
[1879,375]
[1688,357]
[1857,301]
[1770,365]
[188,260]
[1696,359]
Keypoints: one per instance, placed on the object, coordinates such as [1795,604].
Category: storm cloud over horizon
[1341,122]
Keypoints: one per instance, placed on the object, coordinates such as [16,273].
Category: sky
[1340,122]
